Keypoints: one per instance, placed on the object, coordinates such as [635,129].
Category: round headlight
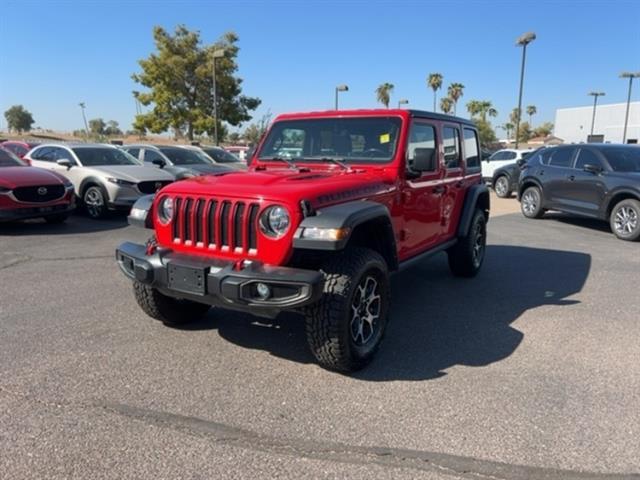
[275,221]
[165,210]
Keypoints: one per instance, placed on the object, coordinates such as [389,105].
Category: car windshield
[185,156]
[220,155]
[8,159]
[623,159]
[99,156]
[349,139]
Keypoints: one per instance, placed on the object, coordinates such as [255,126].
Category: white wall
[573,125]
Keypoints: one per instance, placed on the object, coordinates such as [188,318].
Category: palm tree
[435,82]
[383,93]
[474,107]
[446,104]
[455,91]
[531,111]
[482,108]
[508,127]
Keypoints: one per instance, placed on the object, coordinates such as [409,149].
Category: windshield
[220,155]
[98,156]
[8,159]
[349,139]
[185,156]
[623,159]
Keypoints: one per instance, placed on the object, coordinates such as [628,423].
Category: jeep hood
[320,187]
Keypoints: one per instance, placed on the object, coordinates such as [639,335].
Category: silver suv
[179,160]
[104,177]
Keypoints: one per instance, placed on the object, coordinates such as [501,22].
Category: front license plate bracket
[187,279]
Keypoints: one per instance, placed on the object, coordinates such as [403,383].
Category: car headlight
[165,210]
[119,181]
[68,186]
[275,221]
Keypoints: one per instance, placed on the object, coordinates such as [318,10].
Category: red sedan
[18,147]
[30,192]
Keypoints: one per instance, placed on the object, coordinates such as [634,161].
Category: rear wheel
[95,202]
[625,220]
[531,203]
[501,187]
[170,311]
[466,256]
[346,326]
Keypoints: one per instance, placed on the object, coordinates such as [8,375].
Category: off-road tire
[533,209]
[466,256]
[170,311]
[625,220]
[59,218]
[501,187]
[100,194]
[329,322]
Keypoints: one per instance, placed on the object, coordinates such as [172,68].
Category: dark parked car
[598,181]
[505,179]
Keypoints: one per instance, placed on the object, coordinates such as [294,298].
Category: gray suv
[180,161]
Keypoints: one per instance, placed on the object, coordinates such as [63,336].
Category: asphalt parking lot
[529,370]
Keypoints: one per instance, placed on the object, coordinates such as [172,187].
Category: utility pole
[595,96]
[86,127]
[522,41]
[630,76]
[216,54]
[340,88]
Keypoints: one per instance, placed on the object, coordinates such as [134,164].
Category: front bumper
[12,214]
[221,283]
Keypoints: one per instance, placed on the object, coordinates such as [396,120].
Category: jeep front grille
[212,224]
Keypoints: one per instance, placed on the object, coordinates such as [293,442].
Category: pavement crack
[467,467]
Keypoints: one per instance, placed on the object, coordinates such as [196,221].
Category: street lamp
[403,101]
[595,96]
[522,41]
[86,128]
[216,54]
[340,88]
[630,76]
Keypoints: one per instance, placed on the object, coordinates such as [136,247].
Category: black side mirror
[424,160]
[522,162]
[595,169]
[63,162]
[159,162]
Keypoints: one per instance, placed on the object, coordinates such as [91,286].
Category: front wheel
[95,202]
[501,187]
[346,326]
[531,203]
[466,256]
[625,220]
[170,311]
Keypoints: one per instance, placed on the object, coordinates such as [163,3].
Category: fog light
[263,290]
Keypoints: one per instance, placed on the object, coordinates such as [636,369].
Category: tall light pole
[340,88]
[595,96]
[522,41]
[86,127]
[402,101]
[216,54]
[630,76]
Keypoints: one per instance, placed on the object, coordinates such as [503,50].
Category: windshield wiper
[337,161]
[288,161]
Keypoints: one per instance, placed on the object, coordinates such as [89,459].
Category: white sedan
[500,159]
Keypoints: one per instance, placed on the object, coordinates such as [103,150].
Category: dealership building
[573,125]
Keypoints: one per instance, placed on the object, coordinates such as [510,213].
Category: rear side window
[471,150]
[498,156]
[151,155]
[133,151]
[422,136]
[587,157]
[510,155]
[45,154]
[561,157]
[451,143]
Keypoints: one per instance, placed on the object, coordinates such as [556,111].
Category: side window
[11,148]
[510,155]
[587,157]
[151,155]
[451,143]
[561,157]
[471,150]
[422,135]
[62,154]
[497,156]
[45,154]
[133,151]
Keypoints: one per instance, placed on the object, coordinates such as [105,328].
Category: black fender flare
[141,214]
[90,181]
[345,216]
[477,196]
[529,181]
[608,204]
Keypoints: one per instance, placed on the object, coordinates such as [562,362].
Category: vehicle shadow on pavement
[590,223]
[437,321]
[75,224]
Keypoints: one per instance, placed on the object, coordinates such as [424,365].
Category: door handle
[439,190]
[540,172]
[571,178]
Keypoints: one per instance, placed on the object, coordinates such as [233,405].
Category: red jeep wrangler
[333,203]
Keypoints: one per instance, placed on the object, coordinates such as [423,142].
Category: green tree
[514,116]
[446,104]
[434,81]
[253,133]
[508,127]
[543,130]
[455,91]
[524,132]
[485,131]
[112,128]
[383,93]
[482,108]
[531,111]
[97,126]
[19,119]
[178,77]
[234,137]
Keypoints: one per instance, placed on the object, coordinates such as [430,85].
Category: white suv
[500,159]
